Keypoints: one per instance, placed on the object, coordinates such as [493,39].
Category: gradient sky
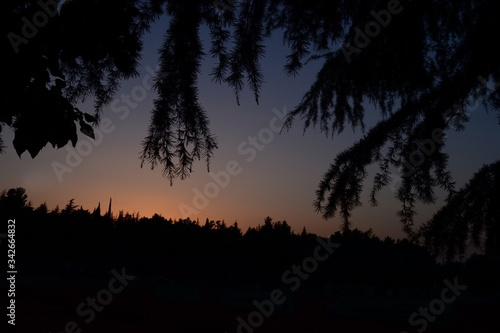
[280,181]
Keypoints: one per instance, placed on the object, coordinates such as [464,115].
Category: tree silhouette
[471,216]
[54,61]
[15,198]
[14,203]
[420,71]
[56,243]
[419,62]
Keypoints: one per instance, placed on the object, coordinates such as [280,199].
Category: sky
[276,177]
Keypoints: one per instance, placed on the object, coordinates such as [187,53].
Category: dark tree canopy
[54,61]
[471,216]
[419,62]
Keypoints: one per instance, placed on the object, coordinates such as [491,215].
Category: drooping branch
[470,216]
[179,129]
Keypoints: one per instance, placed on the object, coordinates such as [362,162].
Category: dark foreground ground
[49,305]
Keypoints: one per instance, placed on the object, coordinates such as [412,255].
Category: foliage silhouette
[14,199]
[471,216]
[72,56]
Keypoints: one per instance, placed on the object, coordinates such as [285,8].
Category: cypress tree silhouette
[97,210]
[109,215]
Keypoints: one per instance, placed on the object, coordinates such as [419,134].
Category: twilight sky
[259,172]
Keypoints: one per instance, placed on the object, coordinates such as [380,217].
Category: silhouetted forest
[73,241]
[190,275]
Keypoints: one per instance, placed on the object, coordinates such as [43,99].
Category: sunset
[279,174]
[173,122]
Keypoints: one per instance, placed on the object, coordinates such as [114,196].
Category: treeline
[76,242]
